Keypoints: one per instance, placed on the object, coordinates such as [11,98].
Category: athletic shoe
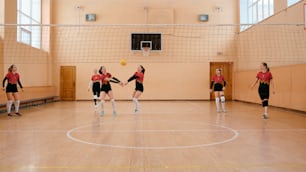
[265,116]
[18,114]
[218,110]
[102,113]
[136,111]
[9,115]
[224,110]
[114,113]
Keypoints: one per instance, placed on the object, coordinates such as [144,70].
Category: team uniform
[11,87]
[96,86]
[139,77]
[106,87]
[264,86]
[218,82]
[13,79]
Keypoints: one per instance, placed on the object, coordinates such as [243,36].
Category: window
[29,19]
[254,11]
[291,2]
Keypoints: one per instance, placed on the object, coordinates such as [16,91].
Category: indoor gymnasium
[153,85]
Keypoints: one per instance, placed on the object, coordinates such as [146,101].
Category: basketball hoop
[146,51]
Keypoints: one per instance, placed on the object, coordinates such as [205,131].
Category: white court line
[274,130]
[235,135]
[151,131]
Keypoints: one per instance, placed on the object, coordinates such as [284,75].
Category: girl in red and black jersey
[265,79]
[139,77]
[11,89]
[95,85]
[219,84]
[106,89]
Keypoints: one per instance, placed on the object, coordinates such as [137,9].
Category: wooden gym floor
[187,136]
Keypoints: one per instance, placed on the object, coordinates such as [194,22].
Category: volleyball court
[176,126]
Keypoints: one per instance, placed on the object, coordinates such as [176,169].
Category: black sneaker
[9,115]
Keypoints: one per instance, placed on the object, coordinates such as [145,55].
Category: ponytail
[100,70]
[10,69]
[266,66]
[143,69]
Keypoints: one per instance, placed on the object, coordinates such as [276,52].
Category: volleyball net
[277,44]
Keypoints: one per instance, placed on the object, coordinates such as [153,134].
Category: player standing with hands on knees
[219,84]
[139,77]
[11,89]
[264,76]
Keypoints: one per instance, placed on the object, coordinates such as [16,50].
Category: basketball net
[146,51]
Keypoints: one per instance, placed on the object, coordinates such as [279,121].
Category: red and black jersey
[13,78]
[96,78]
[218,79]
[139,76]
[103,76]
[264,77]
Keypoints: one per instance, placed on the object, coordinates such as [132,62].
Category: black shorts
[11,88]
[264,91]
[218,87]
[139,87]
[106,88]
[96,89]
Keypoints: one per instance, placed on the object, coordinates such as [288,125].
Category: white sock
[9,106]
[113,104]
[102,105]
[266,110]
[217,103]
[223,102]
[223,106]
[17,103]
[135,100]
[95,99]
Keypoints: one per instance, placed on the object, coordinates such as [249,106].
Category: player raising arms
[219,84]
[265,78]
[11,89]
[106,89]
[95,85]
[138,76]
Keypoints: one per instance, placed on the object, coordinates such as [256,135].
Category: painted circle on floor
[154,135]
